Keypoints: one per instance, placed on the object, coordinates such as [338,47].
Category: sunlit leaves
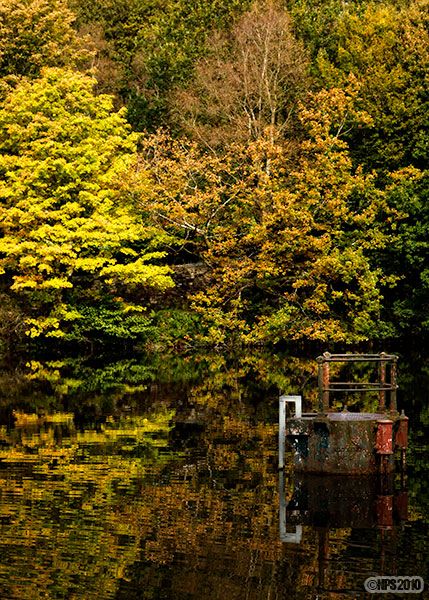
[386,46]
[62,153]
[285,240]
[36,34]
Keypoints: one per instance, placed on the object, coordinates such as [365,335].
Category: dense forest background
[177,173]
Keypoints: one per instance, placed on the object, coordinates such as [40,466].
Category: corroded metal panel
[343,443]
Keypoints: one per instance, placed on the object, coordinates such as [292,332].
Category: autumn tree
[287,250]
[36,34]
[154,45]
[407,260]
[251,80]
[70,239]
[387,48]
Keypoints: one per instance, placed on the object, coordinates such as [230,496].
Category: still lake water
[157,479]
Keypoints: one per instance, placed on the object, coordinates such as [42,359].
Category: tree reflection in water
[158,479]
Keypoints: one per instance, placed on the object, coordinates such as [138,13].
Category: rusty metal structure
[326,386]
[329,444]
[355,443]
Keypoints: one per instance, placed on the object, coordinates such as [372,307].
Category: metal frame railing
[382,386]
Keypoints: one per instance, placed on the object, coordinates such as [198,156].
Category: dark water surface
[157,479]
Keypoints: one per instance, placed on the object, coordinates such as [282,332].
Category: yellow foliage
[62,153]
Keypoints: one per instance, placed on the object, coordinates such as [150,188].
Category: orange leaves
[285,249]
[329,113]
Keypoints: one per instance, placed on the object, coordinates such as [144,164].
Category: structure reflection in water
[330,503]
[335,502]
[344,464]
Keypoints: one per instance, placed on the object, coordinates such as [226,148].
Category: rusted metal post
[394,385]
[384,438]
[382,393]
[325,381]
[320,381]
[401,438]
[384,442]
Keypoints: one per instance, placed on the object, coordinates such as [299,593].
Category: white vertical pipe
[282,431]
[282,505]
[297,400]
[292,538]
